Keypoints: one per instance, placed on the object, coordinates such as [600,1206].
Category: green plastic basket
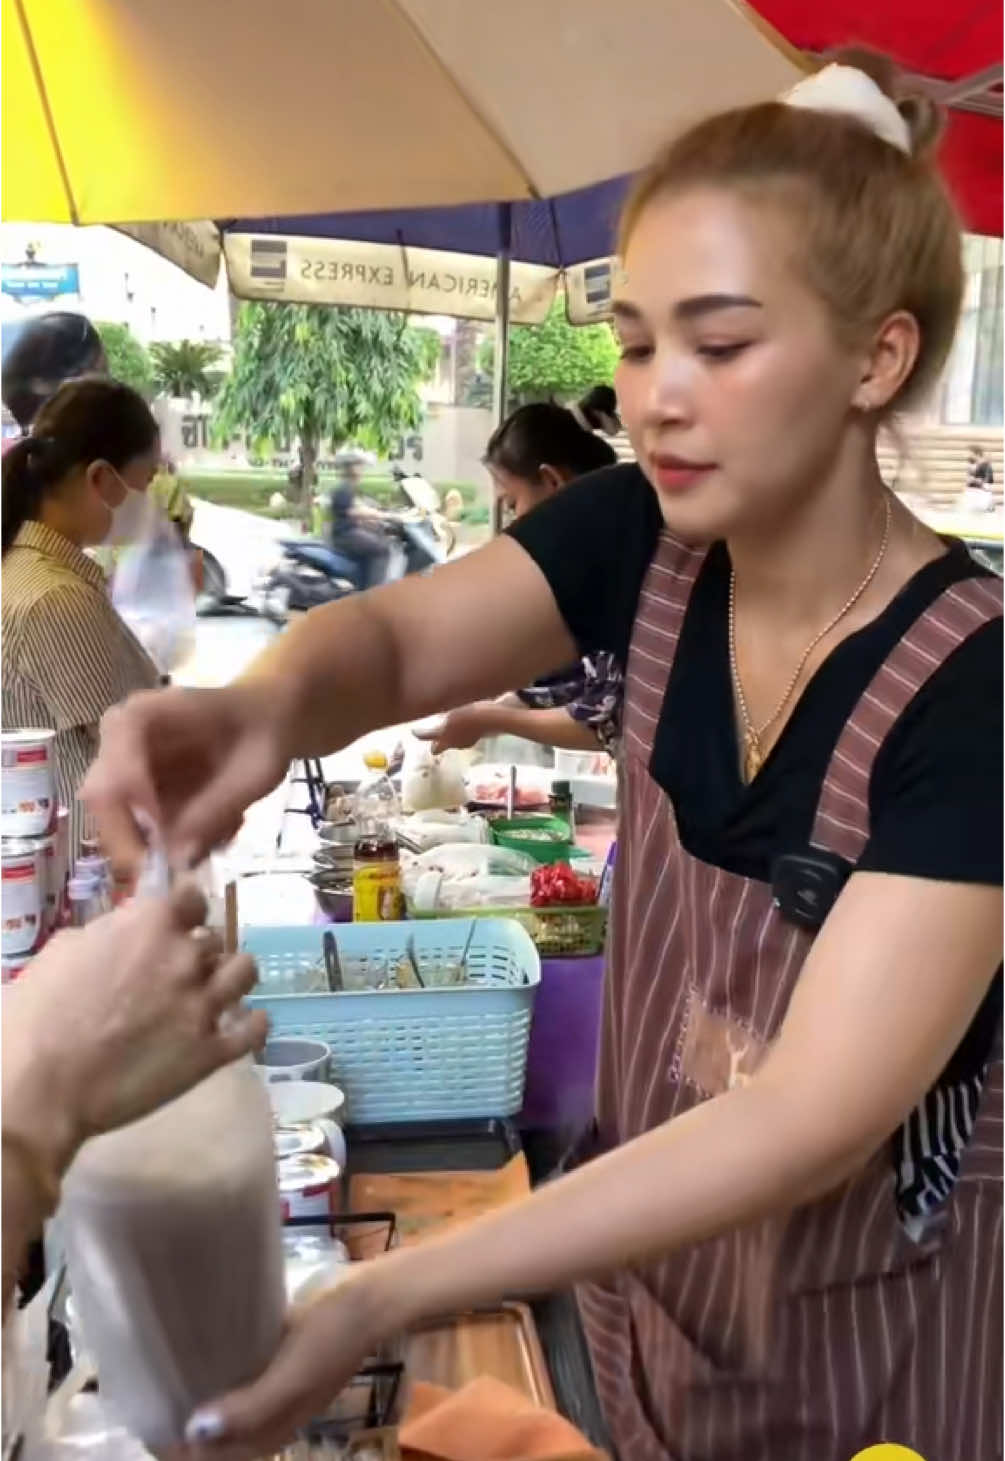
[558,933]
[553,844]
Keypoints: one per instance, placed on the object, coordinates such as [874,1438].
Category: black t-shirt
[936,791]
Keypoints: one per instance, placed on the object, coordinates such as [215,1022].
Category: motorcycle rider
[39,354]
[350,534]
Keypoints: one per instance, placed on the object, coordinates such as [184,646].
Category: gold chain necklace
[753,754]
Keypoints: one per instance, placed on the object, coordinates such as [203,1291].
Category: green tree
[467,347]
[555,359]
[128,359]
[188,368]
[321,373]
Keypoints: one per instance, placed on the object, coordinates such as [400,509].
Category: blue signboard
[29,282]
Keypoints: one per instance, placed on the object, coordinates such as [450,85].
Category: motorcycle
[423,504]
[311,572]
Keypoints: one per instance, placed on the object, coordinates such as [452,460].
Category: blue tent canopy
[570,228]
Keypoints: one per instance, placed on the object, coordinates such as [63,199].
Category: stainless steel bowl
[337,834]
[333,895]
[333,860]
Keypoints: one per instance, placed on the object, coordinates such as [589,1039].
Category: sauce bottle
[561,804]
[376,878]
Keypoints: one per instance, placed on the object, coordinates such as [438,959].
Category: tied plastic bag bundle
[424,830]
[431,783]
[153,591]
[461,875]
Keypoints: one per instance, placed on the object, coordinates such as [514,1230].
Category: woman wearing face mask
[78,480]
[788,1241]
[539,449]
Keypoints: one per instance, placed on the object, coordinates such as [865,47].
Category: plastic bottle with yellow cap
[376,879]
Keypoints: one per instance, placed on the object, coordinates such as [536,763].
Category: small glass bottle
[82,893]
[560,803]
[98,869]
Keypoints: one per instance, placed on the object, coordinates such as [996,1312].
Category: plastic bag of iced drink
[152,590]
[174,1249]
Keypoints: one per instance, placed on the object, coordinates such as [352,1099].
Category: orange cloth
[487,1421]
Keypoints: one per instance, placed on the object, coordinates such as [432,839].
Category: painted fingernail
[205,1425]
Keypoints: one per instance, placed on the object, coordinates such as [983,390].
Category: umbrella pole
[501,372]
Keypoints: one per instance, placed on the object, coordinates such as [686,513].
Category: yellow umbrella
[125,111]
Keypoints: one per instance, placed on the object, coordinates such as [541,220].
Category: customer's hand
[325,1343]
[110,1021]
[192,761]
[461,729]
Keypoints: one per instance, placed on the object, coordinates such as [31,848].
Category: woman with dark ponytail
[78,480]
[539,449]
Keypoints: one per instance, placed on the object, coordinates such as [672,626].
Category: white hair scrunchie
[846,89]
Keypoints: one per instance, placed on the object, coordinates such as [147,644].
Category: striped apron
[810,1335]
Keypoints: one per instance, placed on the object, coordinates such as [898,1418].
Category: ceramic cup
[314,1104]
[293,1058]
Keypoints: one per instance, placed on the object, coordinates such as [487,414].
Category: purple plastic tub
[562,1058]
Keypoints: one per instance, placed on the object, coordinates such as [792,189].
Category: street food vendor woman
[787,1238]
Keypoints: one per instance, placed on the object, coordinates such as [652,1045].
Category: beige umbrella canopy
[124,111]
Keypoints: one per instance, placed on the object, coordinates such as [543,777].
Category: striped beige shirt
[67,655]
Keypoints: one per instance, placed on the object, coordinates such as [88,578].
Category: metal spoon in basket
[461,974]
[333,965]
[408,975]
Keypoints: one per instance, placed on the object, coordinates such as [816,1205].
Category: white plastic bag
[26,1376]
[465,859]
[153,591]
[448,878]
[434,893]
[83,1431]
[432,828]
[428,782]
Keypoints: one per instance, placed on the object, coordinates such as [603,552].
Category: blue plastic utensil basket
[414,1054]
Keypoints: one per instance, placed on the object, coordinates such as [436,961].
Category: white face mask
[128,519]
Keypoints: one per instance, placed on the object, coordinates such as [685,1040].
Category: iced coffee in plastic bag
[173,1241]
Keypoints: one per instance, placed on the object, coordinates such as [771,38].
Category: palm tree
[188,368]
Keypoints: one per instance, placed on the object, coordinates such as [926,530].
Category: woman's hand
[325,1343]
[192,761]
[461,729]
[113,1020]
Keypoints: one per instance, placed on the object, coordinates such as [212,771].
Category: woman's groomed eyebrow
[687,309]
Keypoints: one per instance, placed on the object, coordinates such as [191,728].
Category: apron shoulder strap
[842,819]
[663,601]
